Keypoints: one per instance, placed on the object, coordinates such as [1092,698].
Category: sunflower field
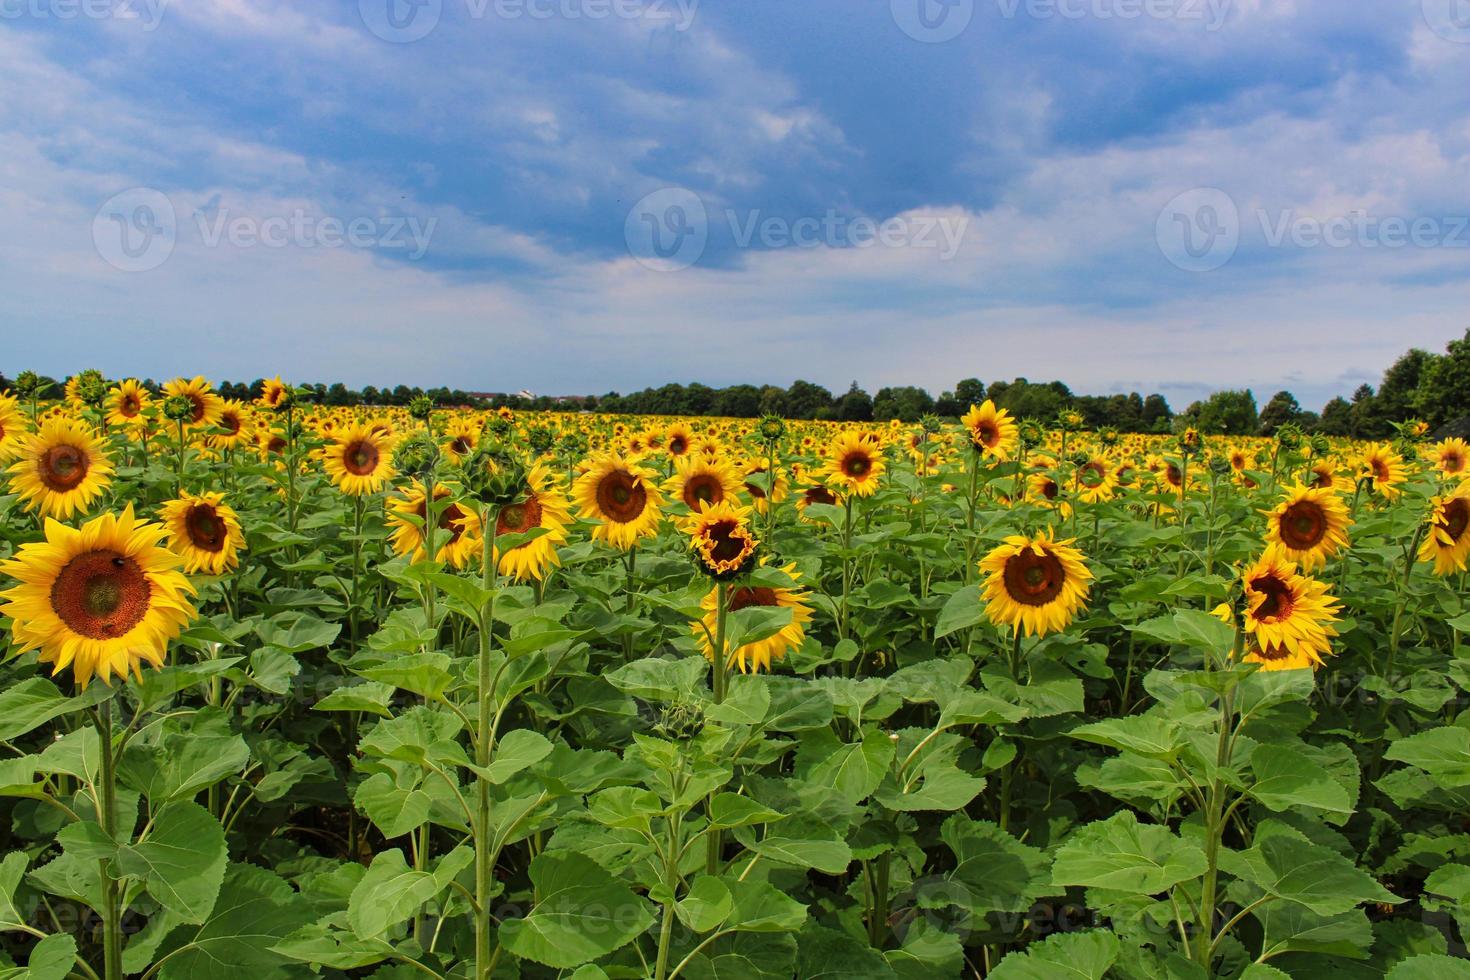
[294,691]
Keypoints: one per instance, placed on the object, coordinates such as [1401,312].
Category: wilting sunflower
[359,460]
[460,438]
[1035,584]
[816,494]
[1309,524]
[1288,616]
[992,430]
[100,600]
[761,654]
[205,403]
[700,479]
[621,494]
[1385,466]
[544,506]
[678,439]
[854,463]
[126,403]
[456,542]
[756,484]
[1451,456]
[234,430]
[12,427]
[205,531]
[1448,542]
[274,394]
[721,538]
[62,469]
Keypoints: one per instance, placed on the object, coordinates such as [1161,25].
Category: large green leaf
[182,860]
[1123,855]
[582,913]
[993,872]
[1308,874]
[1285,778]
[255,910]
[1444,753]
[390,893]
[1083,955]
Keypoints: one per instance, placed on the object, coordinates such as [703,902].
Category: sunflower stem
[718,665]
[632,563]
[484,871]
[111,913]
[847,567]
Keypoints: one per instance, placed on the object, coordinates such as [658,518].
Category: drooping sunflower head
[759,655]
[992,431]
[100,600]
[457,531]
[544,506]
[1287,616]
[1382,464]
[721,538]
[854,463]
[700,479]
[1310,525]
[1035,584]
[204,404]
[621,495]
[205,531]
[1447,542]
[126,403]
[62,469]
[359,460]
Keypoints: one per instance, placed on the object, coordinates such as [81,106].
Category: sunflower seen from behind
[760,654]
[100,601]
[204,531]
[62,469]
[1310,525]
[1036,584]
[359,459]
[622,497]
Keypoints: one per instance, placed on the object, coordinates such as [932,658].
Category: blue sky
[586,195]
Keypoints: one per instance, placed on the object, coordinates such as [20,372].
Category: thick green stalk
[111,913]
[484,872]
[718,671]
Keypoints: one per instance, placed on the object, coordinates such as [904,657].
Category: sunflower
[1045,490]
[756,483]
[1095,481]
[100,600]
[1451,456]
[205,403]
[721,538]
[678,439]
[1324,476]
[701,479]
[406,514]
[12,427]
[62,469]
[234,430]
[761,654]
[545,506]
[274,394]
[126,403]
[1035,584]
[460,438]
[992,430]
[1382,463]
[854,463]
[1288,616]
[1447,544]
[358,460]
[815,494]
[1309,524]
[205,531]
[621,494]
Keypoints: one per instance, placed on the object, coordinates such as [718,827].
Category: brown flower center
[207,530]
[519,518]
[621,497]
[987,435]
[1032,579]
[1049,489]
[744,598]
[230,422]
[1456,518]
[1453,461]
[857,465]
[820,495]
[62,468]
[1381,472]
[101,594]
[703,488]
[1278,602]
[1303,525]
[360,457]
[128,406]
[728,543]
[1092,474]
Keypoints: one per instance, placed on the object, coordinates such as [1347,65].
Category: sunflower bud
[421,407]
[680,721]
[1320,445]
[416,455]
[1289,437]
[929,424]
[1080,459]
[28,384]
[91,387]
[1219,465]
[541,439]
[494,477]
[1032,432]
[499,426]
[1190,442]
[1070,420]
[1108,435]
[771,428]
[177,408]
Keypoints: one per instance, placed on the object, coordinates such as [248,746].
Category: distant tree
[738,402]
[371,395]
[804,399]
[773,401]
[970,391]
[1337,418]
[1231,413]
[1367,423]
[1443,394]
[1401,383]
[906,403]
[1280,410]
[948,405]
[338,394]
[1156,414]
[855,406]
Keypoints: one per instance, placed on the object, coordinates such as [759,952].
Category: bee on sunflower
[854,464]
[205,531]
[101,600]
[992,431]
[621,495]
[358,460]
[1447,542]
[1310,525]
[62,469]
[1035,584]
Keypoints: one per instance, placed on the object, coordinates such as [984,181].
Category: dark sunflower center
[519,518]
[1321,478]
[703,488]
[1453,461]
[197,402]
[461,445]
[1381,471]
[678,445]
[62,468]
[101,594]
[820,495]
[987,434]
[360,458]
[1456,518]
[129,405]
[1049,490]
[1278,603]
[858,464]
[1032,579]
[755,491]
[1174,476]
[1092,474]
[728,546]
[1273,651]
[207,530]
[620,497]
[1303,525]
[230,422]
[744,598]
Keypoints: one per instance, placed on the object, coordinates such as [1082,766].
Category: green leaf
[516,751]
[394,803]
[707,904]
[993,872]
[851,770]
[1292,928]
[1150,735]
[424,674]
[760,908]
[183,764]
[1308,874]
[181,862]
[728,810]
[390,893]
[805,843]
[369,696]
[961,610]
[28,705]
[297,632]
[583,913]
[826,954]
[1085,955]
[12,870]
[256,909]
[1444,753]
[53,958]
[1285,778]
[1123,855]
[657,679]
[744,704]
[1430,966]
